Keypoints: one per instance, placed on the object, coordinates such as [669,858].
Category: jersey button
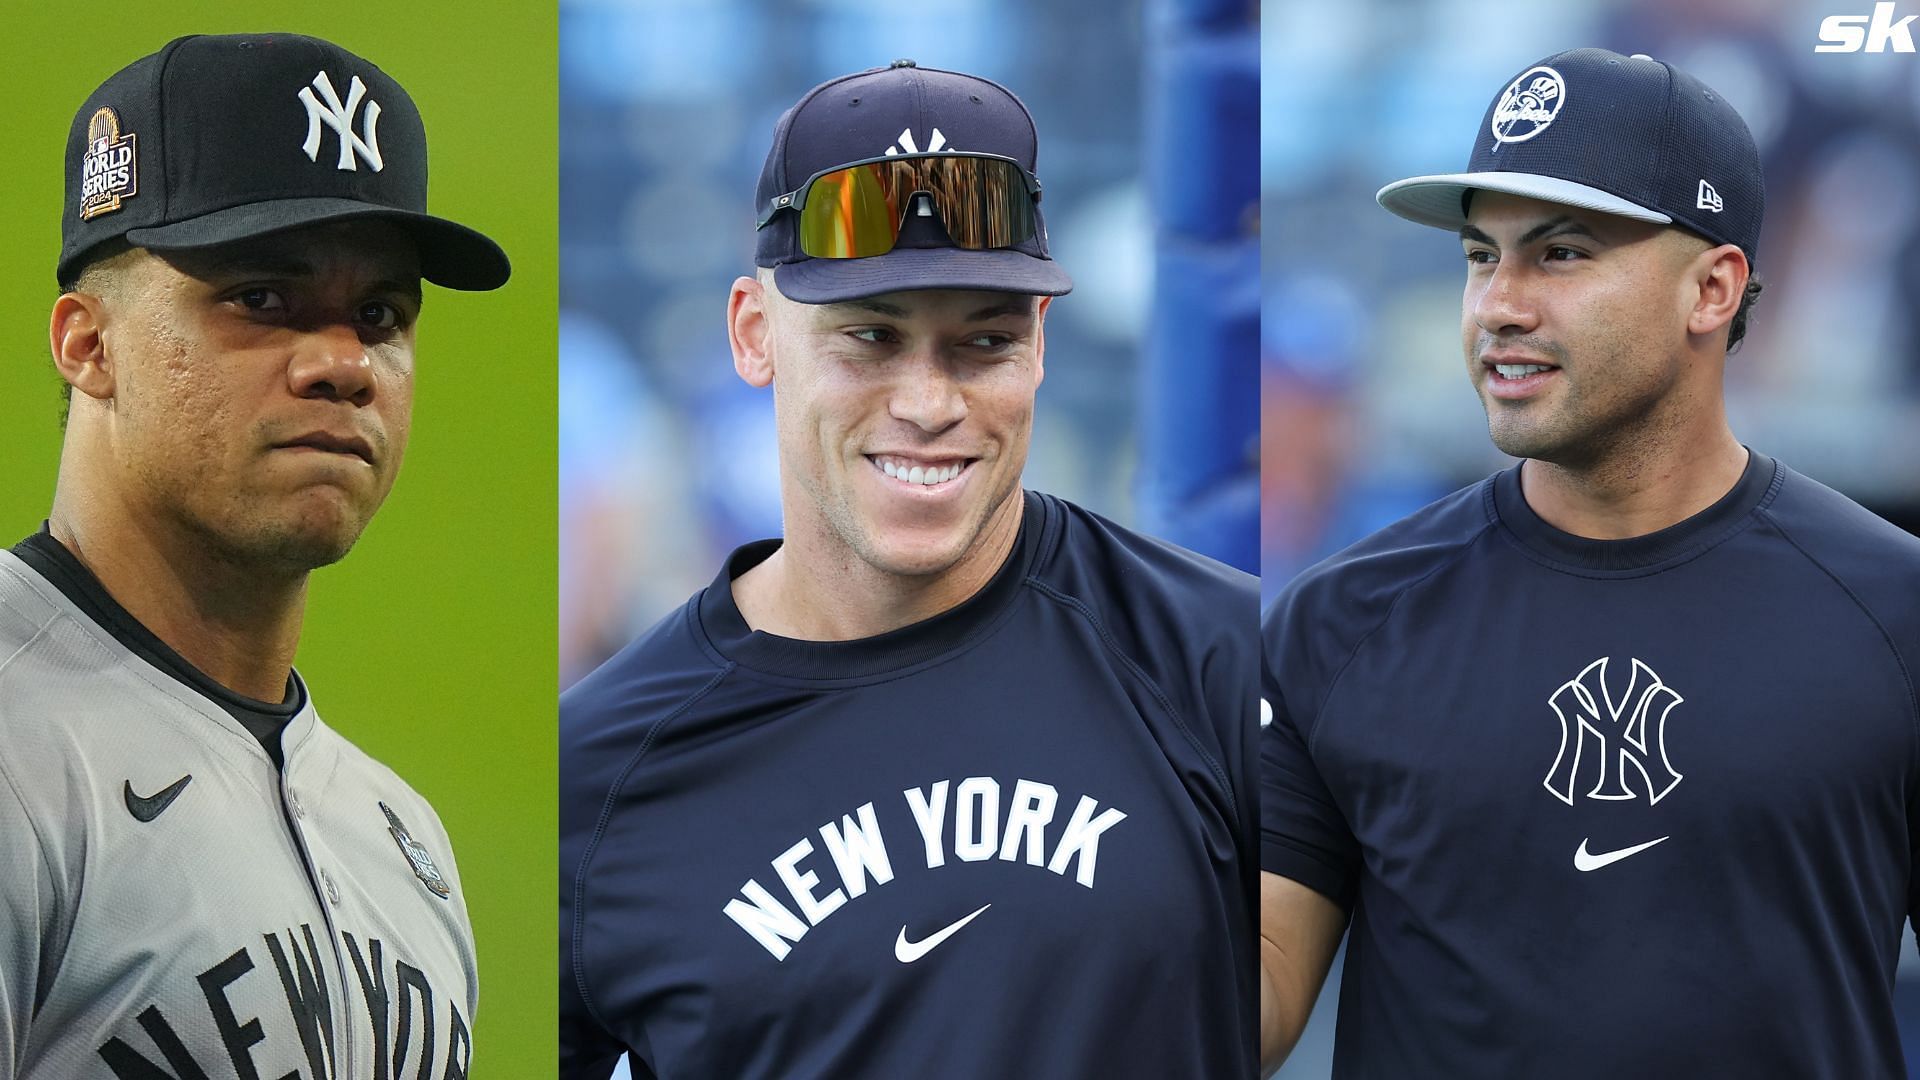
[293,800]
[333,891]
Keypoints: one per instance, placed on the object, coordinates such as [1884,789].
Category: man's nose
[926,393]
[331,362]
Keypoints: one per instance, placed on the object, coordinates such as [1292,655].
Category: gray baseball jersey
[173,907]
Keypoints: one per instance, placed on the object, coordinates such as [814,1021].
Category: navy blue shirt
[1641,807]
[1015,839]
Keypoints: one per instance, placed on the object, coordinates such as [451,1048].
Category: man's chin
[298,542]
[916,557]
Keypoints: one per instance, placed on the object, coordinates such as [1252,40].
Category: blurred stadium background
[1365,411]
[1147,113]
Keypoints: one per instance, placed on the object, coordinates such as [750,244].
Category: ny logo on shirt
[1614,739]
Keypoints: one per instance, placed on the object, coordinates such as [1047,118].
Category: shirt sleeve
[29,905]
[1303,834]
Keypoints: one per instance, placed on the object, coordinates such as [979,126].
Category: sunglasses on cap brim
[856,210]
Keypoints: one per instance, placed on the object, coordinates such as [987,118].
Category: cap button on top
[903,63]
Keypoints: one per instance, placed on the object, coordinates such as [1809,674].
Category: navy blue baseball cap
[216,139]
[1626,135]
[900,109]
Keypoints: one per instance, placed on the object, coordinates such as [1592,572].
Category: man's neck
[1638,489]
[814,589]
[240,627]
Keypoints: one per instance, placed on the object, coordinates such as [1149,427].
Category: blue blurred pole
[1199,481]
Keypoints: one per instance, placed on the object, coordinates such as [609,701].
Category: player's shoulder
[1354,588]
[27,604]
[1099,561]
[655,674]
[1830,524]
[1873,558]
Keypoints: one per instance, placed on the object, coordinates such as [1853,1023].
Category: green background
[432,645]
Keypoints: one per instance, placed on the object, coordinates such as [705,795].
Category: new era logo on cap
[217,139]
[1626,135]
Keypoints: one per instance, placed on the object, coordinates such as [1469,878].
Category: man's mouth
[1519,371]
[331,443]
[920,472]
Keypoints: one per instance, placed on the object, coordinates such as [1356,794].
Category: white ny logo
[340,118]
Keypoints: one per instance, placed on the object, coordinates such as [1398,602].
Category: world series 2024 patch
[417,856]
[108,170]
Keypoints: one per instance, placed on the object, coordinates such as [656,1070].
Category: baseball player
[1610,764]
[201,878]
[955,779]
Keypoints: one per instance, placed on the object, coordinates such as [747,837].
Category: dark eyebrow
[1562,224]
[879,307]
[1015,305]
[409,288]
[264,266]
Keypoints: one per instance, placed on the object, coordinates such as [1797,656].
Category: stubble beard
[1588,429]
[863,540]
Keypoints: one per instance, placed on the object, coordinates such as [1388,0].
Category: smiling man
[953,780]
[201,877]
[1612,761]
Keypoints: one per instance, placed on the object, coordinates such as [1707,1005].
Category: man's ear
[77,335]
[1721,274]
[750,330]
[1040,340]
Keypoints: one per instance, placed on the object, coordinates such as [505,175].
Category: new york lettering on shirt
[272,1001]
[786,858]
[859,854]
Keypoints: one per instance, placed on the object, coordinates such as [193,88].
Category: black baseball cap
[216,139]
[907,109]
[1626,135]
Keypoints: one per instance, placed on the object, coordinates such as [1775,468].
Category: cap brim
[832,281]
[1440,201]
[451,255]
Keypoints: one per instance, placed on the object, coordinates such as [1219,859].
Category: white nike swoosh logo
[908,951]
[1582,861]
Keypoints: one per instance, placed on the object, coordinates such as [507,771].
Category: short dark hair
[1737,329]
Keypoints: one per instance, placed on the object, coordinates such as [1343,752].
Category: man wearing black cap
[1612,761]
[203,878]
[955,779]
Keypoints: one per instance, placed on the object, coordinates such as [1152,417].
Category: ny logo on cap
[905,143]
[1530,103]
[339,117]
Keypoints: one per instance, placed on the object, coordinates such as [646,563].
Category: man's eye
[1480,257]
[261,299]
[989,341]
[873,334]
[380,316]
[1563,254]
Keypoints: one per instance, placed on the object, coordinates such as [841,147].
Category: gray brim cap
[1624,135]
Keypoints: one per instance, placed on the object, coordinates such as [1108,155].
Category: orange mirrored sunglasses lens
[856,212]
